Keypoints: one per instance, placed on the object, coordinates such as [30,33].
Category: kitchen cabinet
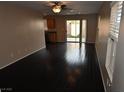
[51,23]
[50,36]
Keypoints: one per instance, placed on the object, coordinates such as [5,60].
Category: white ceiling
[75,7]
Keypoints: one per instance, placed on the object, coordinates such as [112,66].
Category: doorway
[76,30]
[73,30]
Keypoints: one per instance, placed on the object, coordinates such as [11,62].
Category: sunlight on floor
[75,54]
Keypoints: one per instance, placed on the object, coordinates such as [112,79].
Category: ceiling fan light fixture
[56,9]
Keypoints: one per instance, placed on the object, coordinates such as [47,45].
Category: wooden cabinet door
[51,23]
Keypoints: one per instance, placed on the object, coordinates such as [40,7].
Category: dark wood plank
[59,67]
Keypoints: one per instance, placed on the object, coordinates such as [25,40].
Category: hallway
[58,67]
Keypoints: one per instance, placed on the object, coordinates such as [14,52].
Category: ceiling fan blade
[63,6]
[51,3]
[67,8]
[56,2]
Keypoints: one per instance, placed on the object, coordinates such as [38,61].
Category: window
[115,18]
[116,11]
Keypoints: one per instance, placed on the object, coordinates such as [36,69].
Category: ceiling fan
[57,6]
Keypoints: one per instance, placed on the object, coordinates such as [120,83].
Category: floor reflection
[72,77]
[75,56]
[75,53]
[60,67]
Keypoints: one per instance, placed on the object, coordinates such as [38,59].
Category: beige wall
[21,33]
[61,26]
[102,38]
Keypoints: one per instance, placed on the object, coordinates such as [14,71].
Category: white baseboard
[101,71]
[22,58]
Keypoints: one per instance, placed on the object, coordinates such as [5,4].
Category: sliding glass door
[75,31]
[84,29]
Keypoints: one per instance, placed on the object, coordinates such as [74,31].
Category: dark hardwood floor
[59,67]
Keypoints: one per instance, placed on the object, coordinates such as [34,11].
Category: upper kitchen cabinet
[51,23]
